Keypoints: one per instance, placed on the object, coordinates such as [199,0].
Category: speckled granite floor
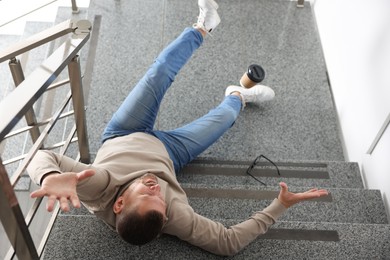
[357,241]
[299,125]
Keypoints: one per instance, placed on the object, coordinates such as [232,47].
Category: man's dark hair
[139,230]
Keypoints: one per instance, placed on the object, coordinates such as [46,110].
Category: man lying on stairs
[132,184]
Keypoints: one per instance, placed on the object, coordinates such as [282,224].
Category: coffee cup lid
[256,73]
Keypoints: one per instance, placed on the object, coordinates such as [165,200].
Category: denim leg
[185,143]
[139,110]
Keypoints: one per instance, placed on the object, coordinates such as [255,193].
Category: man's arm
[289,199]
[59,177]
[47,162]
[214,237]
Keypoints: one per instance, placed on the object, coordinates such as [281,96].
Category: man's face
[145,194]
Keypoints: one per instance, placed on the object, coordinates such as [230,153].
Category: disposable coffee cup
[254,75]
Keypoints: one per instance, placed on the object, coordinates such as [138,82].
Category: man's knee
[160,73]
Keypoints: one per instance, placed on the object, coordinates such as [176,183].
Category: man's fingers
[314,194]
[50,203]
[323,192]
[320,193]
[64,204]
[38,193]
[75,201]
[85,174]
[289,198]
[283,186]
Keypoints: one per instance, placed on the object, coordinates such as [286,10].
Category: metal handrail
[37,40]
[75,10]
[20,102]
[27,91]
[42,123]
[379,135]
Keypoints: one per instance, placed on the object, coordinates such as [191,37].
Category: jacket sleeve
[216,238]
[46,162]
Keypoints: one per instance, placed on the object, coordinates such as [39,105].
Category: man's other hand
[288,198]
[62,187]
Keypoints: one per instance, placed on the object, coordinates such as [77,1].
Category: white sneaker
[256,94]
[208,17]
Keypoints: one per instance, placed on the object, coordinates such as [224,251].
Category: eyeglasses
[254,163]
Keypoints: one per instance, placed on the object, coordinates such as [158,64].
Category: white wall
[355,36]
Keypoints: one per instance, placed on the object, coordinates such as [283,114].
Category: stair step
[65,13]
[285,240]
[34,27]
[342,205]
[346,205]
[300,174]
[36,56]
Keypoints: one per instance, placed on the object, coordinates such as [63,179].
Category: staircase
[298,131]
[349,224]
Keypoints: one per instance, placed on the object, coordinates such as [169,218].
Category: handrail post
[79,108]
[18,77]
[13,220]
[20,101]
[75,9]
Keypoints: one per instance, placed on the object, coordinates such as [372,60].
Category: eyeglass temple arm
[271,162]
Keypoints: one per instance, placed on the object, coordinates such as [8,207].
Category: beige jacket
[121,160]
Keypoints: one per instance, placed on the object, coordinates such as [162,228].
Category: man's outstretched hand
[288,198]
[62,187]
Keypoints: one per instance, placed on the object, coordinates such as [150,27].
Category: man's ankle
[201,30]
[238,94]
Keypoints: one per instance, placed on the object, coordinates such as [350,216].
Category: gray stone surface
[299,124]
[341,175]
[23,184]
[128,43]
[347,205]
[356,242]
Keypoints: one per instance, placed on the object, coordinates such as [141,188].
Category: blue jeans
[139,110]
